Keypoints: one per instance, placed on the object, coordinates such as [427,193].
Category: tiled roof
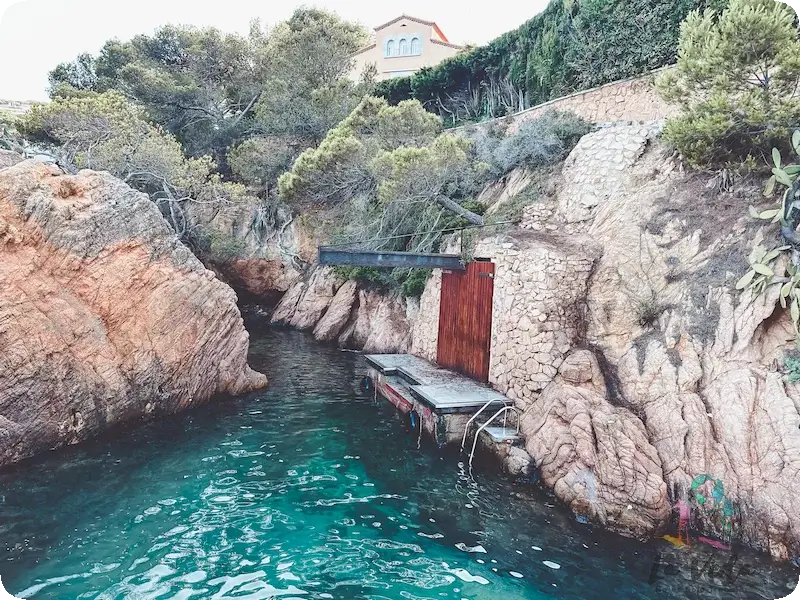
[416,20]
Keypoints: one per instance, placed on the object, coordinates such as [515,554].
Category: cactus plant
[781,265]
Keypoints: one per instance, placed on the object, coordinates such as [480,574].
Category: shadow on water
[311,490]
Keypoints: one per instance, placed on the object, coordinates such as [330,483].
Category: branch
[455,207]
[246,110]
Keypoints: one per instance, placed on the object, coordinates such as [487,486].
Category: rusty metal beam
[405,260]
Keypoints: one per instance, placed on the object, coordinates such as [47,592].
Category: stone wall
[425,324]
[537,311]
[595,172]
[16,107]
[632,99]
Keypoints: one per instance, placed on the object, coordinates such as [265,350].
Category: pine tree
[736,82]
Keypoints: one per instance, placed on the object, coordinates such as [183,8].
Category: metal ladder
[502,411]
[475,416]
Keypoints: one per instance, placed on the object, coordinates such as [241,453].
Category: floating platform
[443,401]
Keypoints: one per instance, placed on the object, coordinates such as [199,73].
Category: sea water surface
[309,490]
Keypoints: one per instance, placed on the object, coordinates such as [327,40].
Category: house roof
[448,44]
[364,49]
[416,20]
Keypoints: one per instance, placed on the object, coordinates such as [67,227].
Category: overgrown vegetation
[780,266]
[736,81]
[387,178]
[213,90]
[193,115]
[396,159]
[105,132]
[537,142]
[409,282]
[570,46]
[270,119]
[217,246]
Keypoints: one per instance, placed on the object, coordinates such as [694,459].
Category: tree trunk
[452,206]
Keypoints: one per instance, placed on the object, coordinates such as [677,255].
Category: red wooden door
[465,320]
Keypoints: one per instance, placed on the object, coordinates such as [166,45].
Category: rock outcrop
[595,456]
[105,316]
[638,367]
[265,280]
[617,330]
[9,159]
[260,245]
[344,312]
[696,360]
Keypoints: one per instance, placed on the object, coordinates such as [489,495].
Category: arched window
[404,47]
[416,46]
[390,48]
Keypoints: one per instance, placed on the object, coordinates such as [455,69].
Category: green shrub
[791,367]
[414,284]
[538,142]
[380,278]
[217,246]
[770,267]
[613,40]
[394,90]
[736,83]
[410,282]
[541,141]
[569,46]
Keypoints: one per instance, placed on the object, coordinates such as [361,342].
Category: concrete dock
[441,400]
[442,390]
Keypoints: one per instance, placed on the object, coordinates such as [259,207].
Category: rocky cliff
[347,314]
[105,316]
[255,245]
[644,377]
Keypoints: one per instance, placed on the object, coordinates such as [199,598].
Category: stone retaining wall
[15,107]
[594,173]
[632,99]
[537,312]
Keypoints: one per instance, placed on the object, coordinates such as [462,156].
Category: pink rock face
[355,318]
[105,316]
[259,277]
[596,456]
[684,512]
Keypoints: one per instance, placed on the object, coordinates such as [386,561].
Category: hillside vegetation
[572,45]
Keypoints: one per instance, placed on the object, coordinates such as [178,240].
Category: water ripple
[305,491]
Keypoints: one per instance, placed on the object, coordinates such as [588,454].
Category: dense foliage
[212,90]
[105,132]
[391,170]
[537,142]
[192,115]
[195,115]
[570,46]
[388,178]
[736,81]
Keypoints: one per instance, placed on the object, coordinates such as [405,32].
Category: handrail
[485,425]
[475,416]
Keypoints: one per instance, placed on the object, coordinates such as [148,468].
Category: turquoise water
[309,490]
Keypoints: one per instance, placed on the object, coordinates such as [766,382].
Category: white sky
[36,35]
